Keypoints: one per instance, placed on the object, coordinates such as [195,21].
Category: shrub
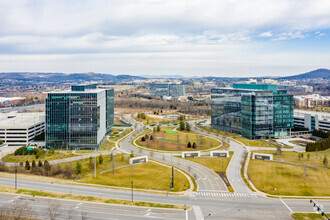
[194,145]
[100,159]
[158,128]
[189,145]
[151,137]
[143,139]
[33,164]
[40,163]
[78,168]
[51,151]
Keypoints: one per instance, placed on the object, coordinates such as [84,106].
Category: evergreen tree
[194,145]
[158,128]
[187,126]
[33,164]
[189,145]
[143,139]
[151,137]
[325,161]
[181,125]
[40,163]
[27,165]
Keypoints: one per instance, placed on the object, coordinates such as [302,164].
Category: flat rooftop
[20,120]
[321,115]
[78,92]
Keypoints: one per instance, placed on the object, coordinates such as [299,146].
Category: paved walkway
[295,146]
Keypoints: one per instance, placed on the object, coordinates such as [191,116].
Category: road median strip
[41,193]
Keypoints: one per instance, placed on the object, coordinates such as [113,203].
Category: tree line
[318,145]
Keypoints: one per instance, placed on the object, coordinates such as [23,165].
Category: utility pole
[132,191]
[95,163]
[113,164]
[172,184]
[15,177]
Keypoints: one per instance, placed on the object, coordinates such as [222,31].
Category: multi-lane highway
[219,205]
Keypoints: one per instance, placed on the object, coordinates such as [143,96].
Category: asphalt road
[70,209]
[233,171]
[220,207]
[21,108]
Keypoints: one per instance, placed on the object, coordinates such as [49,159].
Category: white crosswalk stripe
[216,194]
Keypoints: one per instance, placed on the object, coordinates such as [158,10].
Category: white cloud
[289,36]
[266,34]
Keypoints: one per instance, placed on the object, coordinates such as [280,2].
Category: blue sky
[190,38]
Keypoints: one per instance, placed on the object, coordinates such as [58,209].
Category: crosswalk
[219,194]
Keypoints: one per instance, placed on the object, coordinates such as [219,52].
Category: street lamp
[15,177]
[132,191]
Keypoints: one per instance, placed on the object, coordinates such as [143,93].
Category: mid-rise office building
[79,118]
[252,110]
[167,89]
[19,129]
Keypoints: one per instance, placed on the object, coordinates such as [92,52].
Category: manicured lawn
[57,155]
[307,216]
[247,142]
[146,176]
[177,142]
[106,146]
[291,179]
[217,164]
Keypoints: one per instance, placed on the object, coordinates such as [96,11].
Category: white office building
[312,120]
[19,129]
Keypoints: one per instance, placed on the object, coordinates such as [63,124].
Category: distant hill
[25,77]
[315,74]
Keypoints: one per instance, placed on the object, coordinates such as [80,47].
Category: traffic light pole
[318,208]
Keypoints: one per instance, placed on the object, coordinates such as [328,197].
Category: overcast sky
[190,38]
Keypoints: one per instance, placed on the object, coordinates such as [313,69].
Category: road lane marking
[198,212]
[287,206]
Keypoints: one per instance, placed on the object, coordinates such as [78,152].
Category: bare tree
[83,215]
[53,209]
[71,213]
[16,211]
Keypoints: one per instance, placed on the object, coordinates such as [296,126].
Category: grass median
[88,198]
[178,141]
[308,216]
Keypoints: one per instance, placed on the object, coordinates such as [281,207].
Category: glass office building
[80,118]
[167,89]
[252,110]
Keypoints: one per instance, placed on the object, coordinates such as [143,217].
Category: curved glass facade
[252,112]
